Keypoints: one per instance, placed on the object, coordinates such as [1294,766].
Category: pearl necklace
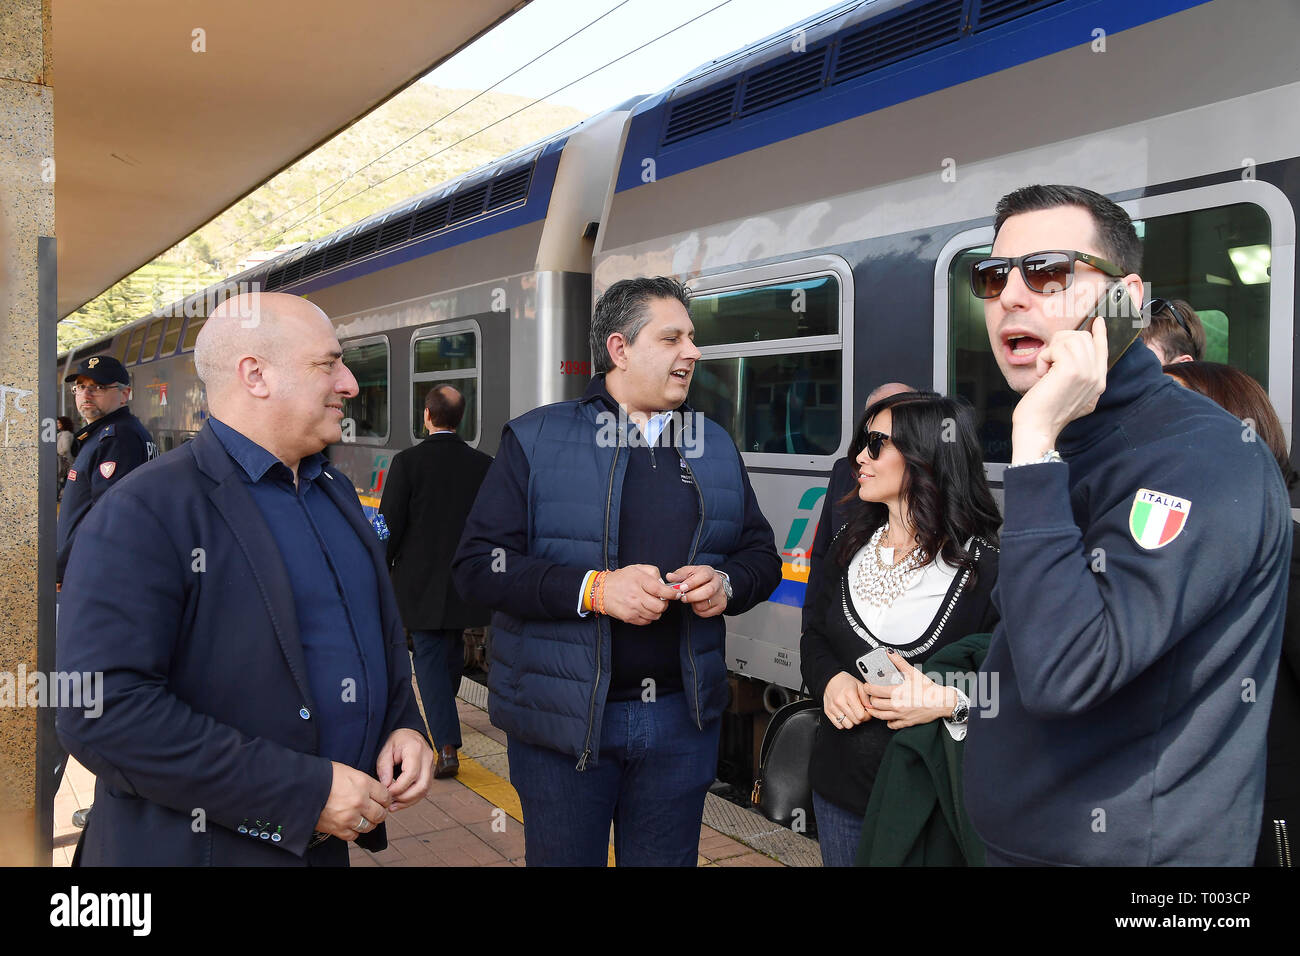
[879,584]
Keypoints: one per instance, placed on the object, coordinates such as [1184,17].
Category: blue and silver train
[823,193]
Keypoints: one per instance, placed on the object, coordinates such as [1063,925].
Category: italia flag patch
[1157,518]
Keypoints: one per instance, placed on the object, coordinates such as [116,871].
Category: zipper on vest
[686,615]
[591,713]
[1283,844]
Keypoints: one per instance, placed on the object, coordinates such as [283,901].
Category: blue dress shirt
[335,596]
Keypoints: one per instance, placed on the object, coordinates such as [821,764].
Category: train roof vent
[395,230]
[510,188]
[292,272]
[468,204]
[887,39]
[364,244]
[336,255]
[274,279]
[696,114]
[93,349]
[785,80]
[990,13]
[431,217]
[313,263]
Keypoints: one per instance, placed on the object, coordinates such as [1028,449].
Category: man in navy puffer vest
[610,535]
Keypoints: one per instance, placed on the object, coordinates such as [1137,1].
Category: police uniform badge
[1157,518]
[107,468]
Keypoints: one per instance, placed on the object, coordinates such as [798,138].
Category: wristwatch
[961,713]
[726,585]
[1050,455]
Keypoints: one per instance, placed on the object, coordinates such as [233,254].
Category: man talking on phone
[1142,575]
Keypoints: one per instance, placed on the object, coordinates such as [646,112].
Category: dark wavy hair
[1234,390]
[944,489]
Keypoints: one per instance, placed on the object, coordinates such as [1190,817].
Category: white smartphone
[876,668]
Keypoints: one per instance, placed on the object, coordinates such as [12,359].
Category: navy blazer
[177,593]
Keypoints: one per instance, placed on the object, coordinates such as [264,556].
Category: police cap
[102,369]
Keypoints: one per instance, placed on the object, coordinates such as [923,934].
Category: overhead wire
[334,187]
[502,119]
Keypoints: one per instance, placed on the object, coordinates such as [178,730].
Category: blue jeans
[838,832]
[439,664]
[654,770]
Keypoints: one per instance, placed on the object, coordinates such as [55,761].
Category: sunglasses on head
[1156,306]
[875,441]
[1045,272]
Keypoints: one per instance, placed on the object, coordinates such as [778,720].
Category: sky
[725,26]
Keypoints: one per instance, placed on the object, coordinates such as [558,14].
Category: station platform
[474,818]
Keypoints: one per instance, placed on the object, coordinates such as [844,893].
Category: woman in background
[1244,398]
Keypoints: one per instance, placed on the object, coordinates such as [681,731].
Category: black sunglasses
[875,440]
[1045,272]
[1156,306]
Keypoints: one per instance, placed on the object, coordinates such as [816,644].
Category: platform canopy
[152,138]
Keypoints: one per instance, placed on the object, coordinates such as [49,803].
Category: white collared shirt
[908,618]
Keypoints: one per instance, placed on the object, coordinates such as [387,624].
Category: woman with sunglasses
[910,572]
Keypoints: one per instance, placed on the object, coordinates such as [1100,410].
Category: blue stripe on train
[789,592]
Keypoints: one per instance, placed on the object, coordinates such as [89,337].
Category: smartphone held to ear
[1122,317]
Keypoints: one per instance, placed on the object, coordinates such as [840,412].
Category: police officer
[110,444]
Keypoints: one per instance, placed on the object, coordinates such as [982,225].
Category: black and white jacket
[844,762]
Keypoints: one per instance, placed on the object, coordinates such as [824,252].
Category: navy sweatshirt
[1141,590]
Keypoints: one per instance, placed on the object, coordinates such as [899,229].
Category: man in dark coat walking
[427,496]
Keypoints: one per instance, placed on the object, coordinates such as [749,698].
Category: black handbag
[783,786]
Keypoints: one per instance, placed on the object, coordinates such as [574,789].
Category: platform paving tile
[508,842]
[498,764]
[422,818]
[456,826]
[750,859]
[476,745]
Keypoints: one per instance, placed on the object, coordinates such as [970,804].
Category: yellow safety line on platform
[491,787]
[496,790]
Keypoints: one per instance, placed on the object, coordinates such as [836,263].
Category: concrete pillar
[26,214]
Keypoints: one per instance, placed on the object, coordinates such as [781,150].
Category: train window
[446,356]
[133,349]
[445,353]
[368,411]
[192,332]
[771,372]
[787,404]
[1216,259]
[787,310]
[172,335]
[151,341]
[468,387]
[119,348]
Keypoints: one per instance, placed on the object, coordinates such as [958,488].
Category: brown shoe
[448,764]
